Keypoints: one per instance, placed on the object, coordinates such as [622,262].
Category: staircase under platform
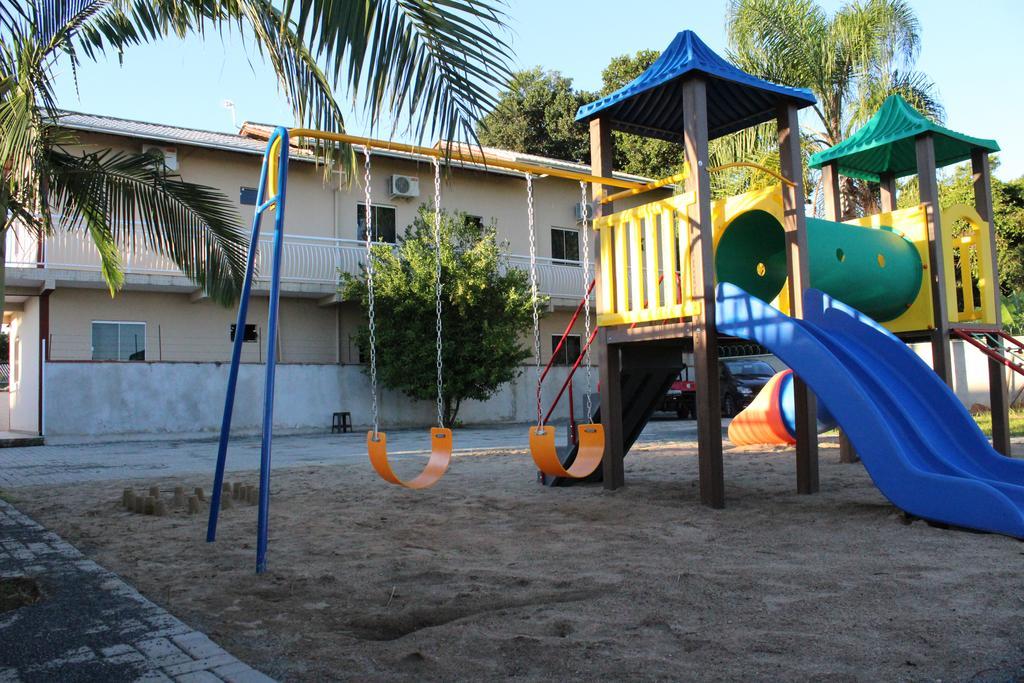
[648,371]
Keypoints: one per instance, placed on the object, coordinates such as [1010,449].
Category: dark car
[739,381]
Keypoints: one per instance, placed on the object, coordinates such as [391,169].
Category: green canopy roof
[886,144]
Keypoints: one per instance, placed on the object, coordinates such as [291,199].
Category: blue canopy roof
[651,104]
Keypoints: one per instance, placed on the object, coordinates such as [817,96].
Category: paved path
[130,457]
[91,625]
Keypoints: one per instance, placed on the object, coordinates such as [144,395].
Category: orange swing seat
[589,453]
[437,465]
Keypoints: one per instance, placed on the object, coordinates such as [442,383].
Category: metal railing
[306,259]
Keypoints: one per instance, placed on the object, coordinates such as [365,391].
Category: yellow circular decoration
[761,270]
[881,261]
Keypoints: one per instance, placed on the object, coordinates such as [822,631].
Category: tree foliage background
[485,306]
[537,115]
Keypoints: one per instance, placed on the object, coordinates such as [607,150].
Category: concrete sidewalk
[131,456]
[89,625]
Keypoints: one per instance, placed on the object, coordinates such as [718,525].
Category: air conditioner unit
[584,211]
[168,154]
[404,186]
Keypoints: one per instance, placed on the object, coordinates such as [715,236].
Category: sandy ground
[489,575]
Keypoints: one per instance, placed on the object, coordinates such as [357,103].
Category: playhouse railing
[639,246]
[970,281]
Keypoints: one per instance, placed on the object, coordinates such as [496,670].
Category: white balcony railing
[313,260]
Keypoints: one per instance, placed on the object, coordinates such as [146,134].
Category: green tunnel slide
[875,271]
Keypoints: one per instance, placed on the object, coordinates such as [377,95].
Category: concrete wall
[111,398]
[970,374]
[179,330]
[23,395]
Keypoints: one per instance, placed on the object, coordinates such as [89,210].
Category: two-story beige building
[154,358]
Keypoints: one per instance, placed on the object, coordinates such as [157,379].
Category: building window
[250,335]
[247,196]
[565,244]
[383,223]
[475,221]
[569,352]
[118,341]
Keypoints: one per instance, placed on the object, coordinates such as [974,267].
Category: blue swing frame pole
[268,388]
[262,204]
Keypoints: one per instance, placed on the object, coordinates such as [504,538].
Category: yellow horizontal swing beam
[680,177]
[481,159]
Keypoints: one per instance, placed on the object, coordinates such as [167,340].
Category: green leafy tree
[851,60]
[634,153]
[485,305]
[536,115]
[434,63]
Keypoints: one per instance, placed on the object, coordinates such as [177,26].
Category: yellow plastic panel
[636,271]
[977,239]
[911,223]
[620,259]
[639,249]
[606,302]
[666,225]
[651,254]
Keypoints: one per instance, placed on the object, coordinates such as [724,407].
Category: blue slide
[918,443]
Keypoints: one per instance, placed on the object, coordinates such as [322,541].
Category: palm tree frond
[439,63]
[305,85]
[127,200]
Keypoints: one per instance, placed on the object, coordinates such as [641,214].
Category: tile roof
[254,136]
[158,132]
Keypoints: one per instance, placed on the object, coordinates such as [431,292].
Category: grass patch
[984,420]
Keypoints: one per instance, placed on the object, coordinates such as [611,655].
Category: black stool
[341,423]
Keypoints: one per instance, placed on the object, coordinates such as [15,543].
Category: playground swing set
[837,301]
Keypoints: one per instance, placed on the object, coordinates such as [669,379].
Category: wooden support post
[830,181]
[929,196]
[834,212]
[795,224]
[705,334]
[887,191]
[997,391]
[608,357]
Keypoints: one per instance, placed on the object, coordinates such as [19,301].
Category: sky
[974,52]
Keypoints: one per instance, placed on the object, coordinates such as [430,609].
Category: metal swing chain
[368,223]
[533,293]
[437,289]
[586,296]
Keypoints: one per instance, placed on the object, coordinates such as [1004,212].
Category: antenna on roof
[230,106]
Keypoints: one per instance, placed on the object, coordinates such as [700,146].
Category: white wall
[970,373]
[23,395]
[111,398]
